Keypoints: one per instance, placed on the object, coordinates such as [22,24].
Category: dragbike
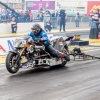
[32,54]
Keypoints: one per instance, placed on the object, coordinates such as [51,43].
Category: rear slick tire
[63,63]
[9,65]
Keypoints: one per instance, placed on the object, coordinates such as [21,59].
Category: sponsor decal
[7,44]
[92,6]
[2,48]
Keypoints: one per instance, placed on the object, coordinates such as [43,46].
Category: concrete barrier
[22,27]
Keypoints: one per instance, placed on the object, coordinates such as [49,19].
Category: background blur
[71,7]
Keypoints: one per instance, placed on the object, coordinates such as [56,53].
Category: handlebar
[39,41]
[69,38]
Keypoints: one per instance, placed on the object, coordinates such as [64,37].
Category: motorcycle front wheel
[11,65]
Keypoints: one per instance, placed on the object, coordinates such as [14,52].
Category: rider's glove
[41,40]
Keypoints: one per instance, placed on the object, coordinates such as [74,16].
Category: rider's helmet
[36,28]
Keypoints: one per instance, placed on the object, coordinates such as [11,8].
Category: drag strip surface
[79,80]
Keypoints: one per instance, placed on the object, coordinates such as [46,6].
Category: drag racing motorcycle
[32,54]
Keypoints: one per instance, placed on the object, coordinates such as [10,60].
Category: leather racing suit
[49,48]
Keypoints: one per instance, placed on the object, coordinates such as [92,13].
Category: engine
[36,48]
[30,49]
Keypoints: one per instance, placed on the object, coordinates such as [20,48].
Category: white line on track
[2,64]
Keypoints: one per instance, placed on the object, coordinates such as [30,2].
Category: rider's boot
[61,55]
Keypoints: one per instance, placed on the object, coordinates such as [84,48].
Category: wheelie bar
[83,55]
[93,57]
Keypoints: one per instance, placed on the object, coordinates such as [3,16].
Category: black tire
[63,64]
[9,63]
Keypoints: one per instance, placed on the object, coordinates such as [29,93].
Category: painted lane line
[92,50]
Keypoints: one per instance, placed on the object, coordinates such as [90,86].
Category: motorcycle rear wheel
[63,64]
[10,66]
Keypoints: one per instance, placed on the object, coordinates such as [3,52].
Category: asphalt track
[79,80]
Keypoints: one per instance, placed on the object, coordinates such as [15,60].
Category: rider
[39,34]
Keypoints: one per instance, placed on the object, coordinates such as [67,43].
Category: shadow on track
[37,71]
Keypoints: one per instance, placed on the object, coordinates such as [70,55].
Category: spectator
[62,19]
[95,17]
[49,12]
[94,26]
[3,14]
[22,16]
[57,14]
[91,14]
[77,19]
[9,15]
[90,17]
[48,26]
[53,14]
[14,25]
[26,17]
[31,15]
[46,14]
[46,17]
[40,16]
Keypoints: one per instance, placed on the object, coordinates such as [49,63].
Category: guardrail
[82,19]
[55,22]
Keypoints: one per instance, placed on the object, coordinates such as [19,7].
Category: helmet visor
[35,31]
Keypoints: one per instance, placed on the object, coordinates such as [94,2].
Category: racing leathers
[49,48]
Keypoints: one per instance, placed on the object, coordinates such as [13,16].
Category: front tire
[10,63]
